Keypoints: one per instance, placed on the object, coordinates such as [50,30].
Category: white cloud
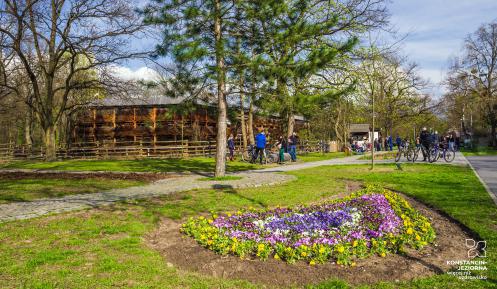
[436,30]
[142,73]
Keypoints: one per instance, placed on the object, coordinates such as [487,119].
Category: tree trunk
[28,125]
[221,96]
[49,139]
[291,123]
[242,121]
[250,124]
[493,142]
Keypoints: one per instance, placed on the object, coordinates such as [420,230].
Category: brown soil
[184,253]
[148,177]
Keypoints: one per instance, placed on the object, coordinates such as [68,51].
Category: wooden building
[157,120]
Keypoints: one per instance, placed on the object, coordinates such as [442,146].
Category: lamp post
[372,133]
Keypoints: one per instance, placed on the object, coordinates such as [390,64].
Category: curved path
[264,177]
[27,210]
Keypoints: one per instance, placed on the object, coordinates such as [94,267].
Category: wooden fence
[129,150]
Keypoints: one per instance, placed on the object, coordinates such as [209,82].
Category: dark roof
[359,127]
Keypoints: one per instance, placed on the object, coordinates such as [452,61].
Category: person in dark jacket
[398,141]
[292,143]
[425,140]
[281,144]
[260,143]
[390,142]
[231,147]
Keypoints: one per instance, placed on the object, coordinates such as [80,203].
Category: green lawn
[31,189]
[313,157]
[480,151]
[198,164]
[390,155]
[104,249]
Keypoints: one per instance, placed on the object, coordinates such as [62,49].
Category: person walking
[398,141]
[281,144]
[425,141]
[231,147]
[260,143]
[451,141]
[390,142]
[292,142]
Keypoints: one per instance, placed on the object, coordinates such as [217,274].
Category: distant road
[486,167]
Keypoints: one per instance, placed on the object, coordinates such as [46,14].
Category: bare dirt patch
[147,177]
[184,253]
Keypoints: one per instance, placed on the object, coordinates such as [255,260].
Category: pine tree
[303,38]
[195,36]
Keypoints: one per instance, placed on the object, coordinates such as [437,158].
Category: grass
[103,248]
[313,157]
[380,156]
[23,190]
[479,151]
[197,164]
[225,178]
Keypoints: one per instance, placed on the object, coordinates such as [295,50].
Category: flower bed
[371,221]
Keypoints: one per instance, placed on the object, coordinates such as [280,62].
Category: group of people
[258,150]
[424,140]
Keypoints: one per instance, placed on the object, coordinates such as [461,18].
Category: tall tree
[195,36]
[480,60]
[304,37]
[396,88]
[59,43]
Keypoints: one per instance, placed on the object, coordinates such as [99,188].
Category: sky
[435,32]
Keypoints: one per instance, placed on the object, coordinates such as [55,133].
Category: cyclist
[425,141]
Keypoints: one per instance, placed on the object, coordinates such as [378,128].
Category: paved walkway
[459,159]
[264,177]
[27,210]
[486,169]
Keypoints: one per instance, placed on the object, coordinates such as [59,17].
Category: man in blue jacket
[260,143]
[398,140]
[390,142]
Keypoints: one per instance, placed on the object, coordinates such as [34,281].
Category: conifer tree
[195,36]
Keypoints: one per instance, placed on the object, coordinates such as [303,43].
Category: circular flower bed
[371,221]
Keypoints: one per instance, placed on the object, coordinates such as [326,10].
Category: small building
[362,131]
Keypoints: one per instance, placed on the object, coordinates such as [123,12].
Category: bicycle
[424,150]
[250,155]
[406,151]
[444,152]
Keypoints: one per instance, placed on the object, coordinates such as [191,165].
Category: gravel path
[27,210]
[264,177]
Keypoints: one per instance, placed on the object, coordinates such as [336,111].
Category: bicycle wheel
[245,156]
[409,154]
[432,155]
[415,154]
[449,155]
[398,155]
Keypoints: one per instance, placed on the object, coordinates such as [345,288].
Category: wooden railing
[128,150]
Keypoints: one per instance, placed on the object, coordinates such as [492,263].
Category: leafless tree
[65,48]
[480,61]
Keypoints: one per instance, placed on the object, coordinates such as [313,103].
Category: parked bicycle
[250,155]
[437,153]
[405,150]
[417,150]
